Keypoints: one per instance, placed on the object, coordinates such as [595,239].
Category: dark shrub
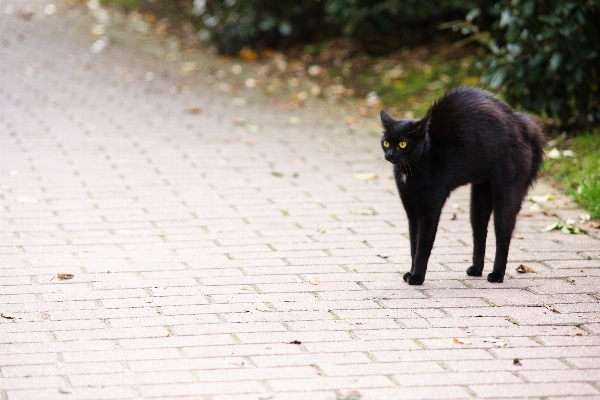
[545,57]
[234,24]
[379,24]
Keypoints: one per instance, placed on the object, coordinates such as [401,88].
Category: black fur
[467,136]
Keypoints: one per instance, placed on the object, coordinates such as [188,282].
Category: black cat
[467,136]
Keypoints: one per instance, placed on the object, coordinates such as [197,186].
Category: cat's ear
[386,118]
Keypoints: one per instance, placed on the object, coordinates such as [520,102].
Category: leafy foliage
[234,24]
[545,57]
[579,174]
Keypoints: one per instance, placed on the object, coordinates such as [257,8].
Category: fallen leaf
[365,177]
[525,215]
[570,228]
[63,277]
[462,341]
[542,198]
[453,217]
[314,282]
[277,174]
[239,364]
[251,128]
[518,236]
[295,342]
[497,342]
[193,110]
[25,14]
[321,230]
[535,207]
[64,391]
[383,256]
[554,153]
[9,316]
[549,307]
[99,45]
[522,269]
[551,227]
[351,395]
[363,212]
[568,153]
[248,54]
[253,310]
[594,224]
[549,213]
[516,361]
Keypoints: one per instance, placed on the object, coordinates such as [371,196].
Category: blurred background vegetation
[541,56]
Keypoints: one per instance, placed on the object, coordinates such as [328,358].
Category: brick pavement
[213,261]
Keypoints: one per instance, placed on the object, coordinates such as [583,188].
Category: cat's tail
[535,137]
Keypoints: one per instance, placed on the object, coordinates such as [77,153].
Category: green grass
[418,86]
[579,175]
[127,4]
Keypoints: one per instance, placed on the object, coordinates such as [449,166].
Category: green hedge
[234,24]
[545,57]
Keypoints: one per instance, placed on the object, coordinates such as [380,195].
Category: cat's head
[403,139]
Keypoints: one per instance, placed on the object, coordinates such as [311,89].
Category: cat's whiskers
[415,164]
[379,165]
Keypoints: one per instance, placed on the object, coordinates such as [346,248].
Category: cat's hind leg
[507,203]
[482,201]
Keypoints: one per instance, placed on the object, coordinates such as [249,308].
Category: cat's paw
[413,279]
[495,278]
[472,271]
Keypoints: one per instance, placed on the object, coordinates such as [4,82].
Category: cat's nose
[388,156]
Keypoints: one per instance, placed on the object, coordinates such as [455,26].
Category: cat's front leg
[427,229]
[413,227]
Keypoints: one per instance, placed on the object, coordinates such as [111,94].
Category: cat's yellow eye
[402,145]
[386,143]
